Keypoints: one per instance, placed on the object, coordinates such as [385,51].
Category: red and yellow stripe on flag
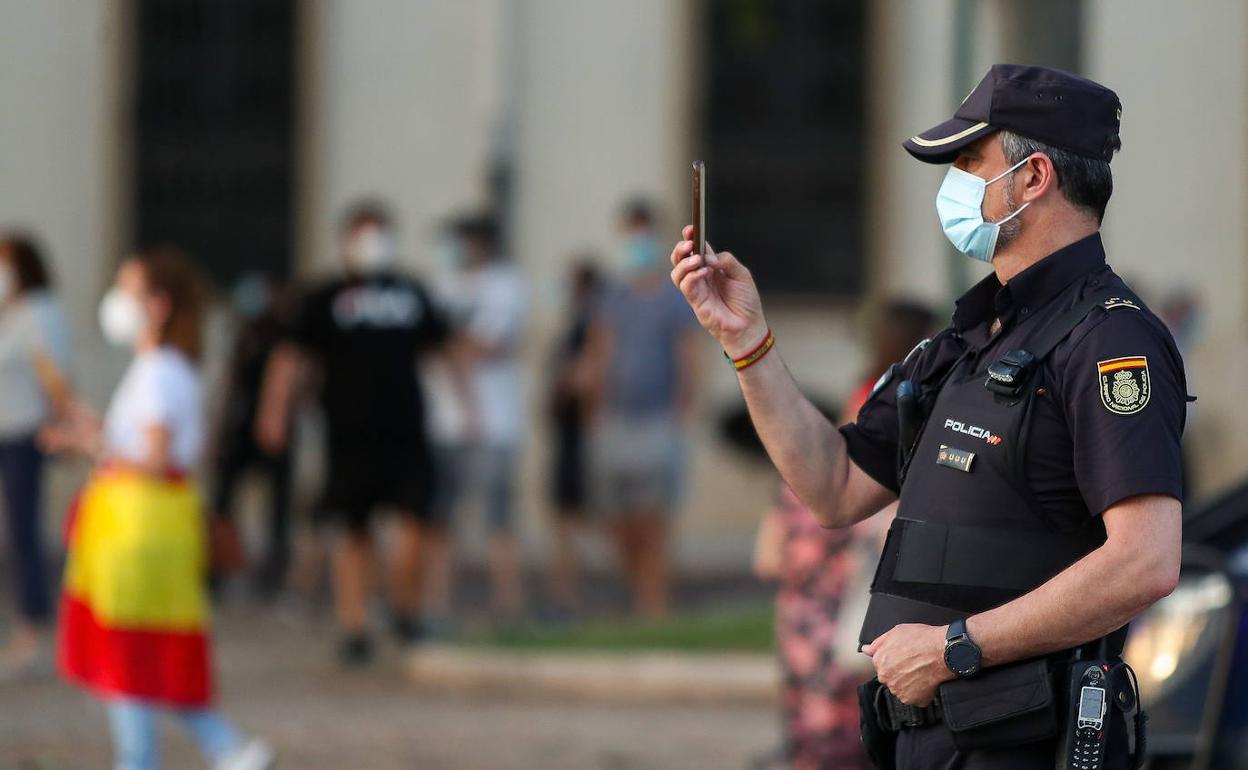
[134,610]
[1130,362]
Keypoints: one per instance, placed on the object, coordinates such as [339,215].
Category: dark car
[1190,650]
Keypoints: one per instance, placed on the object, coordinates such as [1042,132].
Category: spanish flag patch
[1125,386]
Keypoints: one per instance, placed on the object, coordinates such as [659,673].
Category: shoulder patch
[1125,387]
[1117,302]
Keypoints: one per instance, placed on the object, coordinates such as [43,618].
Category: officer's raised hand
[722,294]
[909,660]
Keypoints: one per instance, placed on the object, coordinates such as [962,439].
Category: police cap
[1048,105]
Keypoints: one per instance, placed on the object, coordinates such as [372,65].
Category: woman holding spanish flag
[134,627]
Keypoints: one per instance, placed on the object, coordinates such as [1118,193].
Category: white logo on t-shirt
[378,307]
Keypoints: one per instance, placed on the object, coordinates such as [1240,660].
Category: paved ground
[276,680]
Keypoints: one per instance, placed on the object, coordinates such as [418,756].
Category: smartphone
[699,207]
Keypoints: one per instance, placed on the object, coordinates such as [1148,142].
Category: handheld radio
[1087,721]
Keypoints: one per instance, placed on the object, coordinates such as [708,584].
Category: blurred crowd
[419,387]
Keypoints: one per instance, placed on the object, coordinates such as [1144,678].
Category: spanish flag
[134,609]
[1114,364]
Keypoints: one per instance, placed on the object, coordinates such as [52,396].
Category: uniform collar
[1030,289]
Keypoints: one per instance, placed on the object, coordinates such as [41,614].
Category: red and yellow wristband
[755,355]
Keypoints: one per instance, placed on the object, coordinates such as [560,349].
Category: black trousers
[931,748]
[239,458]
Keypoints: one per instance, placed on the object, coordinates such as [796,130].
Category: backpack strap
[1010,374]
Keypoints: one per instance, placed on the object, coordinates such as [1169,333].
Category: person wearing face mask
[34,364]
[640,367]
[365,332]
[1032,445]
[134,617]
[481,426]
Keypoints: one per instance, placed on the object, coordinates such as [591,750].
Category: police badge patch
[1124,384]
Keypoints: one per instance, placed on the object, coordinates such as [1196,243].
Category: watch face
[961,658]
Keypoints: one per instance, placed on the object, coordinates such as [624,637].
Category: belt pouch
[880,742]
[1002,706]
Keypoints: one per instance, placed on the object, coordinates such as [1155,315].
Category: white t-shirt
[498,311]
[491,304]
[161,388]
[33,324]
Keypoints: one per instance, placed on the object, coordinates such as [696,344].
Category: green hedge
[736,629]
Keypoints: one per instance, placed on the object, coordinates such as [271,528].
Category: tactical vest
[968,536]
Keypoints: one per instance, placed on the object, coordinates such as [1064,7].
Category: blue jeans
[135,743]
[21,474]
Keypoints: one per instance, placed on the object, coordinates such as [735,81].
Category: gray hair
[1085,182]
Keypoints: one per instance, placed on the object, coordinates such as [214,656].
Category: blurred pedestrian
[824,578]
[134,611]
[258,300]
[568,411]
[642,357]
[489,301]
[34,366]
[893,331]
[366,331]
[819,699]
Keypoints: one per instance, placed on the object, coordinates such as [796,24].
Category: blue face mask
[642,252]
[959,203]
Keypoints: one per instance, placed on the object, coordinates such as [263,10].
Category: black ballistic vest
[968,537]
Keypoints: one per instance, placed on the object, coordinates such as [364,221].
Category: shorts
[638,465]
[485,473]
[363,477]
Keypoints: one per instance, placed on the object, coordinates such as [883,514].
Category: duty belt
[895,716]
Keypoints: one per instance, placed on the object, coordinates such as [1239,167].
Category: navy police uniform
[1045,402]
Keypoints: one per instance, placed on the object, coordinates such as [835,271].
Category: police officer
[1033,444]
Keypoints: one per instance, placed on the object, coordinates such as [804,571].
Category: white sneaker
[254,755]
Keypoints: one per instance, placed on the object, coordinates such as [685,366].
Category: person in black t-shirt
[366,331]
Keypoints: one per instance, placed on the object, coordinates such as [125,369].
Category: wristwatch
[962,655]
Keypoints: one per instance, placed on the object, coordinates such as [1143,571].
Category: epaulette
[1113,303]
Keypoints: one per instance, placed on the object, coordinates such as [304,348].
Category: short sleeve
[872,440]
[310,329]
[1125,398]
[153,401]
[44,330]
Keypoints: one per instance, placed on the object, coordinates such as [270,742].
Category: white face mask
[372,250]
[121,318]
[8,283]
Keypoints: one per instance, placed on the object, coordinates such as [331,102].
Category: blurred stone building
[241,128]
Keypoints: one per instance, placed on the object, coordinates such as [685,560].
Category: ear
[1038,177]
